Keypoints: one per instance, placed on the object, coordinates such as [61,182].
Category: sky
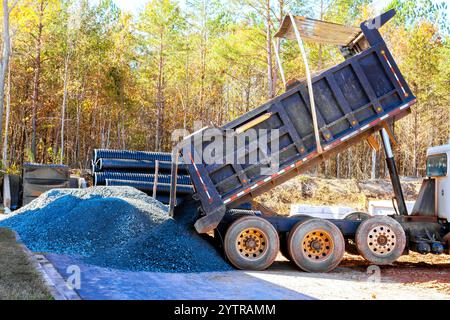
[135,5]
[130,5]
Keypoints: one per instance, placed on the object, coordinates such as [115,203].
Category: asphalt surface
[98,283]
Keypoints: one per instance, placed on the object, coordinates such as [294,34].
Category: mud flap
[211,221]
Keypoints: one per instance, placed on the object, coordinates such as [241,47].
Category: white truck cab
[438,164]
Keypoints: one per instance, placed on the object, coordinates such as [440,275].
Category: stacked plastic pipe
[138,169]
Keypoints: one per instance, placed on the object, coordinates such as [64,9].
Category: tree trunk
[374,165]
[5,59]
[338,165]
[8,111]
[24,135]
[350,164]
[160,96]
[102,135]
[204,35]
[37,74]
[415,170]
[77,133]
[187,90]
[108,135]
[64,106]
[269,52]
[319,58]
[248,94]
[320,52]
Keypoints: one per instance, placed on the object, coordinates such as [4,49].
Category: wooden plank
[155,181]
[173,181]
[318,31]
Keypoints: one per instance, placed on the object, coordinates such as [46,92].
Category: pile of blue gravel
[114,227]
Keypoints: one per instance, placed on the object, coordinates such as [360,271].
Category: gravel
[114,227]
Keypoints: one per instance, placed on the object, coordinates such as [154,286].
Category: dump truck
[314,119]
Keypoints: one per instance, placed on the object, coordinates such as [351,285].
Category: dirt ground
[413,277]
[415,270]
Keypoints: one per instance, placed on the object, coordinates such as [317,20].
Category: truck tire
[380,240]
[251,243]
[284,236]
[350,244]
[357,216]
[316,245]
[447,242]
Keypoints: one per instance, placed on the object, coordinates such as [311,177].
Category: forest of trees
[81,74]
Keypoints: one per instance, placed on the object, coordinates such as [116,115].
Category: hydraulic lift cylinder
[393,173]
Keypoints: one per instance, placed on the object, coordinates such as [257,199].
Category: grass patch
[18,278]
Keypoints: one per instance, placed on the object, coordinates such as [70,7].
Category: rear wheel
[447,242]
[357,216]
[251,243]
[380,240]
[284,236]
[316,245]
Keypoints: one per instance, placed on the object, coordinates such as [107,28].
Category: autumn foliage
[122,80]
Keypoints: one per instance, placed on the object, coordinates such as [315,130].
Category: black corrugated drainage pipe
[148,186]
[100,178]
[129,165]
[132,155]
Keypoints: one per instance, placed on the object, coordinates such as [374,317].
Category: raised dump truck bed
[353,100]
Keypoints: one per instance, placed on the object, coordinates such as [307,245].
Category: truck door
[437,167]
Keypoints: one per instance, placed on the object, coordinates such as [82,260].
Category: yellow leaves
[87,105]
[13,169]
[28,13]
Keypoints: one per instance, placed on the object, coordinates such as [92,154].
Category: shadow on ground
[99,283]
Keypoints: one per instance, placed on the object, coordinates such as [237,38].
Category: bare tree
[5,58]
[64,104]
[71,26]
[37,74]
[8,112]
[270,79]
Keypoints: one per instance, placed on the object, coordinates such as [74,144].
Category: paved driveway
[281,282]
[108,284]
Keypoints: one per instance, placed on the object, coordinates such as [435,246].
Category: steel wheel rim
[381,240]
[251,243]
[317,245]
